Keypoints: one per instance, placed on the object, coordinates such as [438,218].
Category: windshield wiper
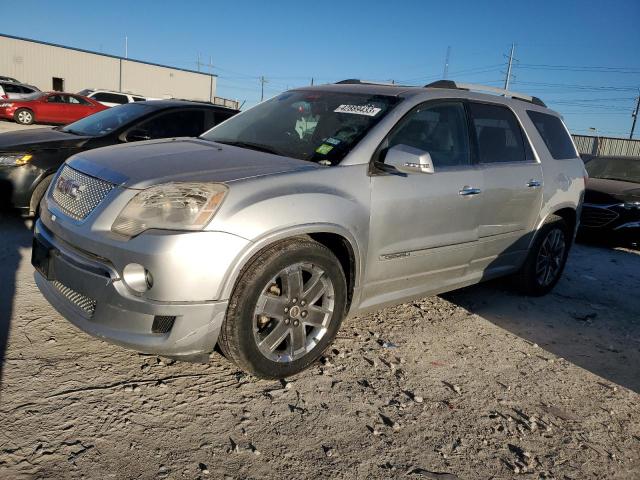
[250,146]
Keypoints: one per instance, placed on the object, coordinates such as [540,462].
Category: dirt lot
[476,384]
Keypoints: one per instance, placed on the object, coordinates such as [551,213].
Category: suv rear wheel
[547,257]
[285,310]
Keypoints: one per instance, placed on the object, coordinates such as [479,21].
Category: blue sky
[582,58]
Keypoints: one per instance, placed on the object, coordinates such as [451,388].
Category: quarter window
[554,134]
[498,134]
[438,129]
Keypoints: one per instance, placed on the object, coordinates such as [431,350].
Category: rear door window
[498,134]
[554,134]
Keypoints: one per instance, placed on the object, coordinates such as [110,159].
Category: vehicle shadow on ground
[14,237]
[592,317]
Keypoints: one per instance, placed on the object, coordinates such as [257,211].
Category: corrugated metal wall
[38,63]
[606,146]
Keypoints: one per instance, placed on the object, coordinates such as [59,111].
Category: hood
[142,164]
[602,191]
[39,139]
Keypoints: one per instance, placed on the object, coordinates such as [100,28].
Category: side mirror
[407,159]
[137,136]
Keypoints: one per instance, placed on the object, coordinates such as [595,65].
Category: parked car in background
[611,209]
[262,234]
[110,98]
[8,79]
[14,91]
[49,107]
[29,158]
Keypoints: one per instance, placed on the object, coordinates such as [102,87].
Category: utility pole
[507,79]
[445,73]
[126,47]
[198,62]
[262,82]
[312,81]
[635,116]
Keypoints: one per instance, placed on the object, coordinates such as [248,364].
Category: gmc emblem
[68,187]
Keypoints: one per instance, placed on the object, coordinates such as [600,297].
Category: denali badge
[68,187]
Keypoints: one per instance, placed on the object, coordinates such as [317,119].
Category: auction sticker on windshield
[368,110]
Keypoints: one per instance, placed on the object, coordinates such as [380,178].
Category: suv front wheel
[546,259]
[285,310]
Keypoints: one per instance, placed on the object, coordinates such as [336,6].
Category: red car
[49,107]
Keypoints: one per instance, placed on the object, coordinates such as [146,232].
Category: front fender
[266,210]
[232,274]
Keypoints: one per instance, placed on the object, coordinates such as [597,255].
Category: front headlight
[12,159]
[170,206]
[631,205]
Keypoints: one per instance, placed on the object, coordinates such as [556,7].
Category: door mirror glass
[409,159]
[138,135]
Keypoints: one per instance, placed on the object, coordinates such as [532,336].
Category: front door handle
[467,190]
[533,183]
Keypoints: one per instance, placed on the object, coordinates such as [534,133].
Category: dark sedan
[611,209]
[29,158]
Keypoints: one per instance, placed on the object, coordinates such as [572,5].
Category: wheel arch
[568,212]
[336,238]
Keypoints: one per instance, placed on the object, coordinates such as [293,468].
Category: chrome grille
[78,194]
[80,301]
[596,216]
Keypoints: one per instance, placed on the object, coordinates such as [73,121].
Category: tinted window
[311,125]
[498,134]
[57,99]
[554,134]
[440,130]
[182,123]
[139,99]
[11,88]
[107,121]
[78,101]
[110,98]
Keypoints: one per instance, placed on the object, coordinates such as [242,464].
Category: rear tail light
[5,97]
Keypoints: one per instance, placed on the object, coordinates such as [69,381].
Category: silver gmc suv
[264,233]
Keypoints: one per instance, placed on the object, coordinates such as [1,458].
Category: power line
[573,68]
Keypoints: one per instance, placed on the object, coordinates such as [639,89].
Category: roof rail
[356,81]
[484,88]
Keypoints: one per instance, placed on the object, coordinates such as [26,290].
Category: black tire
[38,193]
[24,116]
[238,341]
[528,279]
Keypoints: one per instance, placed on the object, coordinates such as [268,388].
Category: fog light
[137,278]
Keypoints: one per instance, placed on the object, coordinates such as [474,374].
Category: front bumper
[89,292]
[17,184]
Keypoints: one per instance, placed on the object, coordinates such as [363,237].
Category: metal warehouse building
[56,67]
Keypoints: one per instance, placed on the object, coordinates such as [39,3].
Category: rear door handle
[533,183]
[467,190]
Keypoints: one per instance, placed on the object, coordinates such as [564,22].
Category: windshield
[625,169]
[106,121]
[311,125]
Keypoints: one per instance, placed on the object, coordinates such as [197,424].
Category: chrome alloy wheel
[293,312]
[550,257]
[25,117]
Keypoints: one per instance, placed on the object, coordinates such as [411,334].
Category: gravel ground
[476,384]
